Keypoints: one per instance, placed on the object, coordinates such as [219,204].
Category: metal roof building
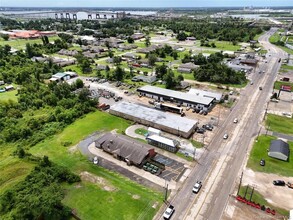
[163,142]
[155,118]
[206,94]
[279,150]
[186,99]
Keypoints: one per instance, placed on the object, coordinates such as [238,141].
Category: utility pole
[166,192]
[240,183]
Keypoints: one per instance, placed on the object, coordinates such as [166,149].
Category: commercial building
[163,142]
[279,150]
[124,148]
[151,117]
[182,98]
[207,94]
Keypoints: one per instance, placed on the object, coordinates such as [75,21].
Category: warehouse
[124,148]
[168,122]
[185,99]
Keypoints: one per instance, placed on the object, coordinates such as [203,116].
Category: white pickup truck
[169,212]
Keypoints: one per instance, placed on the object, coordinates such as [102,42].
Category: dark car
[279,183]
[262,162]
[200,130]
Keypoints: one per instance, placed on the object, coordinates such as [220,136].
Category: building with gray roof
[183,98]
[163,142]
[155,118]
[279,150]
[124,148]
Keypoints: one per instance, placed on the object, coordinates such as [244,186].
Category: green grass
[20,43]
[278,85]
[259,199]
[257,36]
[225,45]
[12,169]
[280,124]
[141,131]
[286,67]
[91,200]
[275,38]
[9,95]
[181,155]
[259,151]
[196,144]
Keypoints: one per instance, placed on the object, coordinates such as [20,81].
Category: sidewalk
[140,172]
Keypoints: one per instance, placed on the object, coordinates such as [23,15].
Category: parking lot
[173,169]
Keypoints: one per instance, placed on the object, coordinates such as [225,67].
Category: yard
[225,45]
[259,151]
[9,95]
[279,124]
[102,194]
[20,43]
[278,85]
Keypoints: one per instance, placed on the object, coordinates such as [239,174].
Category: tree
[147,41]
[117,60]
[79,83]
[119,73]
[152,59]
[29,50]
[181,36]
[170,80]
[161,71]
[5,37]
[175,55]
[130,40]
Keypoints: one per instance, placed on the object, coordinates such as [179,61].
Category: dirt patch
[86,176]
[136,197]
[155,205]
[78,185]
[73,149]
[279,196]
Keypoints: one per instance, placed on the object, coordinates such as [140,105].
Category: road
[220,165]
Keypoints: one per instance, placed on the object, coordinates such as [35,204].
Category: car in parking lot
[95,161]
[200,130]
[225,136]
[197,186]
[279,183]
[208,127]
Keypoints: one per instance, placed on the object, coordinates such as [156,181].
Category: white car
[235,120]
[96,161]
[226,136]
[169,212]
[197,187]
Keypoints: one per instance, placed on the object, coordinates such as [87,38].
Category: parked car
[96,161]
[169,212]
[200,130]
[197,186]
[251,83]
[208,127]
[279,183]
[290,185]
[187,108]
[235,120]
[262,162]
[225,136]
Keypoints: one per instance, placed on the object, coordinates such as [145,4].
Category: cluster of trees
[39,196]
[62,103]
[213,70]
[168,76]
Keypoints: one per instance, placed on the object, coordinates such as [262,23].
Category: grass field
[225,45]
[278,85]
[259,151]
[280,124]
[141,131]
[258,198]
[126,200]
[9,95]
[197,144]
[286,67]
[20,43]
[275,38]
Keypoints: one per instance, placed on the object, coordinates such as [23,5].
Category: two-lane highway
[219,166]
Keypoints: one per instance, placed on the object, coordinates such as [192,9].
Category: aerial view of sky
[146,3]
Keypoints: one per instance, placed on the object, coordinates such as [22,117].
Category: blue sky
[145,3]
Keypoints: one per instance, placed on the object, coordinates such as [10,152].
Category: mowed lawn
[278,85]
[9,95]
[259,151]
[280,124]
[90,199]
[20,43]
